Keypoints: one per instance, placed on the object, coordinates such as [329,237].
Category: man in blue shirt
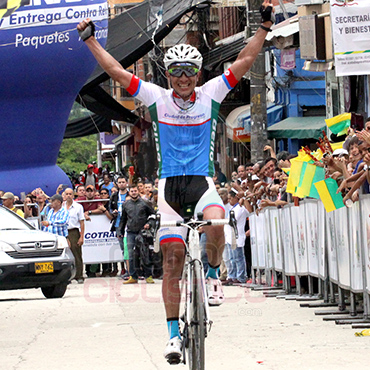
[57,218]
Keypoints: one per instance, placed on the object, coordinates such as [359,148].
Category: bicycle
[195,321]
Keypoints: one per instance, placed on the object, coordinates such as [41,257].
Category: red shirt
[89,206]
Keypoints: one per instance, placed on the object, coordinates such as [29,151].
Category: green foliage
[76,154]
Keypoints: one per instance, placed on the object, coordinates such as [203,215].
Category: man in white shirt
[76,231]
[235,258]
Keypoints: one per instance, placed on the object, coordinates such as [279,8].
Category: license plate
[44,267]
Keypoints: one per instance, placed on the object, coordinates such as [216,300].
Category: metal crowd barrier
[330,250]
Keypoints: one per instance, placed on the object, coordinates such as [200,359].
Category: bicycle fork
[195,253]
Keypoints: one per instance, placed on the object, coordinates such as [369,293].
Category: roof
[297,128]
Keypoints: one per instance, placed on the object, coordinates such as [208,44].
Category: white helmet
[183,53]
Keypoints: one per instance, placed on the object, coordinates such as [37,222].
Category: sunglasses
[103,193]
[89,190]
[177,71]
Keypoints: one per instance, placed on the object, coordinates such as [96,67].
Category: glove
[88,31]
[267,14]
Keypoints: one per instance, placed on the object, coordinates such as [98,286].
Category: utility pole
[257,90]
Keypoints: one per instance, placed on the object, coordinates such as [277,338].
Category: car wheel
[55,291]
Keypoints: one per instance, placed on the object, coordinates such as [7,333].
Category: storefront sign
[351,34]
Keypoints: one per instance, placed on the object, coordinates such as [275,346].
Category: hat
[90,166]
[8,195]
[340,152]
[57,197]
[90,187]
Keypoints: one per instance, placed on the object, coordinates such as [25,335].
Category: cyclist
[184,121]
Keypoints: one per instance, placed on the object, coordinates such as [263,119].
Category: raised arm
[114,69]
[249,54]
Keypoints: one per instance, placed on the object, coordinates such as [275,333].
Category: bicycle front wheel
[197,328]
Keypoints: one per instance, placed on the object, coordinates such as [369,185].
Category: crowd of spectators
[252,187]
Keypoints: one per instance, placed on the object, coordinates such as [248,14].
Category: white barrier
[100,244]
[321,236]
[275,238]
[287,240]
[357,285]
[365,221]
[299,238]
[308,241]
[342,246]
[312,240]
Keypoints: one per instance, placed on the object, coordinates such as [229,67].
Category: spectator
[156,181]
[90,178]
[235,259]
[8,202]
[107,184]
[242,173]
[95,168]
[114,190]
[220,177]
[116,201]
[135,213]
[30,211]
[268,169]
[41,199]
[81,192]
[76,231]
[105,208]
[141,188]
[91,208]
[224,197]
[271,151]
[57,217]
[148,191]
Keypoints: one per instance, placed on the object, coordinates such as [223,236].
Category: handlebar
[213,222]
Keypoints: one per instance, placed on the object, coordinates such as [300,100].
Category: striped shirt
[58,222]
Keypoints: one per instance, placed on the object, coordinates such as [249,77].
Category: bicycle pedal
[173,359]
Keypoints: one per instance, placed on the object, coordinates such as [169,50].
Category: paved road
[105,325]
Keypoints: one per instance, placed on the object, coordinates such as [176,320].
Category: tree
[75,154]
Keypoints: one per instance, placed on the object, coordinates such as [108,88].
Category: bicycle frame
[192,258]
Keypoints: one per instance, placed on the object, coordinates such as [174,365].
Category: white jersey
[185,138]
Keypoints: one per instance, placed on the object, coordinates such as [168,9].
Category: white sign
[351,34]
[100,244]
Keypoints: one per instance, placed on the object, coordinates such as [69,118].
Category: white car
[30,258]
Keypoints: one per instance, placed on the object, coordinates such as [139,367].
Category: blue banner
[44,64]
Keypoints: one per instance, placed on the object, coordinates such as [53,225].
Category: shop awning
[92,124]
[120,140]
[297,128]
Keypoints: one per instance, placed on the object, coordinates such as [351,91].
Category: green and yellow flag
[310,174]
[339,124]
[327,190]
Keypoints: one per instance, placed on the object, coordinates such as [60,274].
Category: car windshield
[10,221]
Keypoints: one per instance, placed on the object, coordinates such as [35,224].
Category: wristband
[266,28]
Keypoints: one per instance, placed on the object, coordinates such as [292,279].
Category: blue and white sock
[173,327]
[212,272]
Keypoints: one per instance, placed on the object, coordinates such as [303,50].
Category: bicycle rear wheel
[197,329]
